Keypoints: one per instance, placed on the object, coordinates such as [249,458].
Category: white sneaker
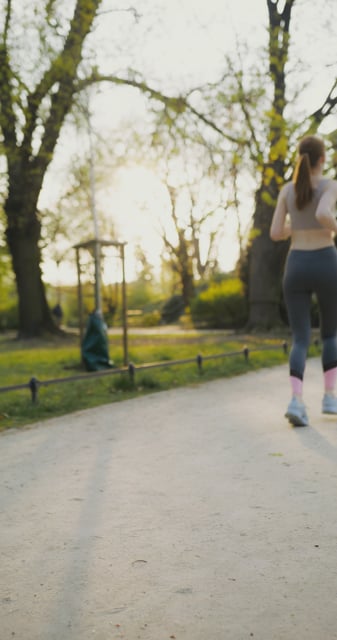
[329,404]
[296,413]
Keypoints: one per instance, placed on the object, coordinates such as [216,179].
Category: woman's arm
[280,228]
[326,209]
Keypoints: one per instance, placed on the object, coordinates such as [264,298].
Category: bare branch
[63,72]
[283,15]
[7,20]
[178,104]
[327,107]
[238,75]
[49,9]
[132,10]
[7,116]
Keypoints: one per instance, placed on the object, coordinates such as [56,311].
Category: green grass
[60,358]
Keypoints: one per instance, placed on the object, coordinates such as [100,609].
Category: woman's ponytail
[310,150]
[302,180]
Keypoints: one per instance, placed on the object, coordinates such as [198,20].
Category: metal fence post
[199,362]
[33,385]
[131,370]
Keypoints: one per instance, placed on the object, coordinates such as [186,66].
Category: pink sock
[296,385]
[330,377]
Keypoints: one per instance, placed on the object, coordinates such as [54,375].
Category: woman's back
[307,233]
[305,218]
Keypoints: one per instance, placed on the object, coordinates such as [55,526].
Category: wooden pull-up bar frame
[95,245]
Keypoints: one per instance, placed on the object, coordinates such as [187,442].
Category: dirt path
[195,514]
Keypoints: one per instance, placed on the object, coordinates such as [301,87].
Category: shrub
[151,319]
[9,317]
[172,309]
[222,306]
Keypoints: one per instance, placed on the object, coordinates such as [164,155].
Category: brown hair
[310,150]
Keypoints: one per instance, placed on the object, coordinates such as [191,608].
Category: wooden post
[124,308]
[79,295]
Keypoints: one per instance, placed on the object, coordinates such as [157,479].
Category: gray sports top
[304,218]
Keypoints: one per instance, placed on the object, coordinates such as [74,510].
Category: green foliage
[222,305]
[268,199]
[8,298]
[141,293]
[147,381]
[123,383]
[151,319]
[172,309]
[9,317]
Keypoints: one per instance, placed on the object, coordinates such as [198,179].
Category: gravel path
[194,514]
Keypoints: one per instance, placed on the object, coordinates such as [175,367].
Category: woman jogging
[305,213]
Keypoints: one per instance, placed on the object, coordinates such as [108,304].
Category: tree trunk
[266,260]
[265,282]
[188,290]
[35,318]
[266,264]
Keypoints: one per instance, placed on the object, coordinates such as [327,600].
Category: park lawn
[61,358]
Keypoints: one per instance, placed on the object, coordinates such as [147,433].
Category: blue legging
[307,273]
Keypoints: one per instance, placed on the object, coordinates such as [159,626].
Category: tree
[265,258]
[260,125]
[33,109]
[29,149]
[260,122]
[253,114]
[184,250]
[32,112]
[35,105]
[180,254]
[190,212]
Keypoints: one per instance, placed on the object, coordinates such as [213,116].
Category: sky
[180,44]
